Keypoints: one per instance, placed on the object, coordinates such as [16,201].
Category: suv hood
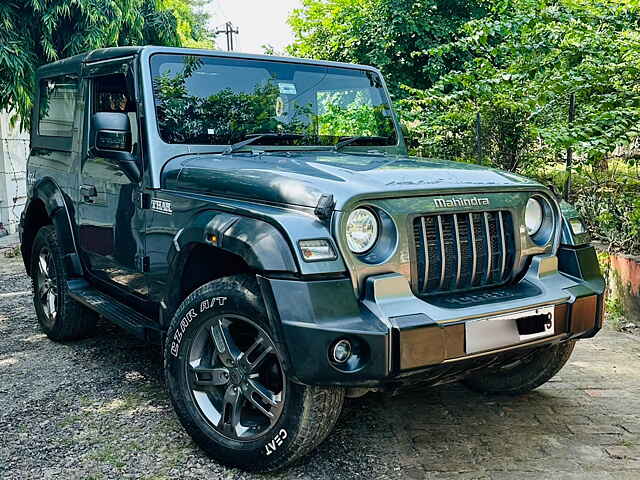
[301,178]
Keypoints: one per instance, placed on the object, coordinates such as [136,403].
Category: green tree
[34,32]
[393,35]
[526,58]
[191,22]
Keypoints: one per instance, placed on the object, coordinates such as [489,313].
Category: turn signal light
[317,250]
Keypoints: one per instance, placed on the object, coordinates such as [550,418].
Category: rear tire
[539,368]
[60,317]
[227,383]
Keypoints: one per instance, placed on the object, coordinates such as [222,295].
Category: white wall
[14,149]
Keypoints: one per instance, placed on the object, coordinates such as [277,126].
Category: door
[110,220]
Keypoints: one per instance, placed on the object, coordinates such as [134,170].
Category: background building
[14,149]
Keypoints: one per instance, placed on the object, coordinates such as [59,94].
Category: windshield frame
[397,148]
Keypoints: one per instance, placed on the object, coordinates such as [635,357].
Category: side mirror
[111,138]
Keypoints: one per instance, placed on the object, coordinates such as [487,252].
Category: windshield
[221,101]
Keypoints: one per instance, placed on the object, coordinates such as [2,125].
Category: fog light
[341,351]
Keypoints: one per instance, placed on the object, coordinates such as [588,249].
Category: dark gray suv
[260,219]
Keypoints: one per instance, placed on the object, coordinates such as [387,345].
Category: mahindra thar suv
[259,218]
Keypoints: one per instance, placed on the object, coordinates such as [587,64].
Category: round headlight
[362,230]
[533,216]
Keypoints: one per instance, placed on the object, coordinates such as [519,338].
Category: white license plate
[502,330]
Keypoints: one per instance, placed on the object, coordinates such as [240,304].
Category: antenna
[229,31]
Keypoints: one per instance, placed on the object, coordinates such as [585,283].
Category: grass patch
[70,420]
[11,252]
[108,454]
[615,312]
[127,402]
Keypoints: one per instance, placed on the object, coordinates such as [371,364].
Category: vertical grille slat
[458,242]
[461,251]
[488,247]
[474,259]
[503,250]
[443,258]
[465,249]
[426,254]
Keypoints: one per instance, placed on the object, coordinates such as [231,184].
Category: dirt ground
[97,409]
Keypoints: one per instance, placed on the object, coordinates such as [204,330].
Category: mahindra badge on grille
[461,202]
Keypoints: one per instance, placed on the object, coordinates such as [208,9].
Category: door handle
[88,192]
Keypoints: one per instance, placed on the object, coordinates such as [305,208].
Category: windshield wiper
[338,146]
[257,136]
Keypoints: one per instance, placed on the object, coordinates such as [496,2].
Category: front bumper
[398,336]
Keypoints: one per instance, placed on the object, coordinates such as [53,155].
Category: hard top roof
[73,64]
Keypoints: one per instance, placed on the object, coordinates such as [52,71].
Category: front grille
[462,251]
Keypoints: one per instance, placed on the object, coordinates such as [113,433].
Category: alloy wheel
[47,291]
[236,377]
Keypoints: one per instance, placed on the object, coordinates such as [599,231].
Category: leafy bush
[609,201]
[527,58]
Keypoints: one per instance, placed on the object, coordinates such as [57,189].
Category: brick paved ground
[583,424]
[97,409]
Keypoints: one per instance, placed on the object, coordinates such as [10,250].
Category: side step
[114,311]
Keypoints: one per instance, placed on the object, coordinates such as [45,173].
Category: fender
[578,258]
[260,244]
[257,242]
[59,209]
[568,237]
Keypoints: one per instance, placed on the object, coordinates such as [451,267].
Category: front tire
[226,379]
[60,317]
[524,376]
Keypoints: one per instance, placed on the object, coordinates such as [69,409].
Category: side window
[57,106]
[110,95]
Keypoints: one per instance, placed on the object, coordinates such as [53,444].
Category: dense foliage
[527,58]
[191,22]
[609,201]
[34,32]
[390,34]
